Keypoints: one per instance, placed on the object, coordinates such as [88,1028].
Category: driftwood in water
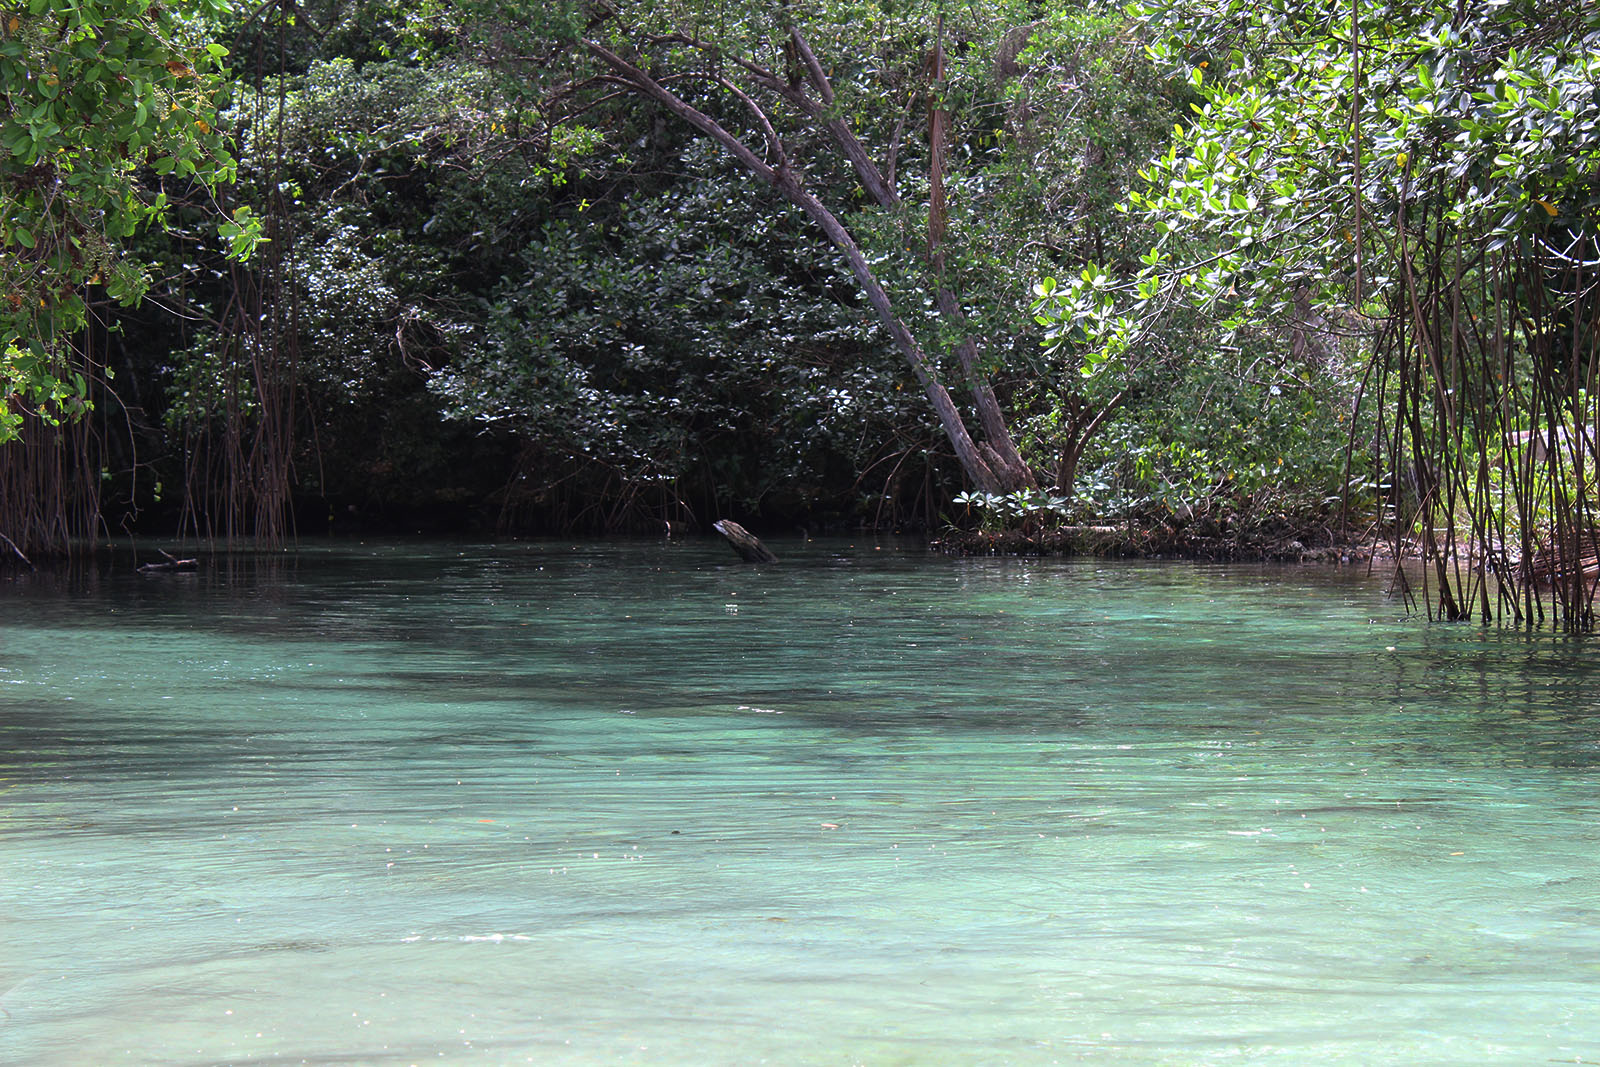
[173,564]
[1549,568]
[744,542]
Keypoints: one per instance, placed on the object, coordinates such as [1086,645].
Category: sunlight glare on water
[548,803]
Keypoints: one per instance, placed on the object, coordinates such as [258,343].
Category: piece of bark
[744,542]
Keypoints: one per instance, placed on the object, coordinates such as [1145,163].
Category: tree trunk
[788,183]
[1078,438]
[999,451]
[966,449]
[1305,342]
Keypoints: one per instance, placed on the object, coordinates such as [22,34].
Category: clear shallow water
[641,804]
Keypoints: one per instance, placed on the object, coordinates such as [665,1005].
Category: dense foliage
[108,115]
[1222,272]
[1421,178]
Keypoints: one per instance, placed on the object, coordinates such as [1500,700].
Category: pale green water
[640,804]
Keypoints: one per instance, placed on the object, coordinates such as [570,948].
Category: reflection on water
[638,803]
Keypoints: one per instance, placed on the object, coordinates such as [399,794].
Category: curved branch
[872,180]
[645,85]
[774,142]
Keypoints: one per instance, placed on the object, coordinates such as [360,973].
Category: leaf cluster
[108,115]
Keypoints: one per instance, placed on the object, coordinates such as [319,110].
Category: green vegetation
[109,119]
[1423,179]
[1227,275]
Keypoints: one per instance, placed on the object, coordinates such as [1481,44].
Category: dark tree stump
[744,542]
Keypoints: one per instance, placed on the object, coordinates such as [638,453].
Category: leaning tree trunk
[992,465]
[999,451]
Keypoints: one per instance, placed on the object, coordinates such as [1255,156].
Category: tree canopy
[1420,176]
[1210,269]
[108,116]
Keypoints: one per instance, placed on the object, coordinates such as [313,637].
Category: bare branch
[780,158]
[645,85]
[774,142]
[872,180]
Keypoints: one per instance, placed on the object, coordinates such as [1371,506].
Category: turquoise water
[638,803]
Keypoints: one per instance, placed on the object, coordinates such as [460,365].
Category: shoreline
[1159,544]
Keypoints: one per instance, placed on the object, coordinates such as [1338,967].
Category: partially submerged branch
[745,543]
[173,563]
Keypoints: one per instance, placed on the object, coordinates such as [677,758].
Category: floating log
[173,564]
[1549,568]
[744,542]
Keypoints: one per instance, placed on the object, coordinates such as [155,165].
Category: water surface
[638,803]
